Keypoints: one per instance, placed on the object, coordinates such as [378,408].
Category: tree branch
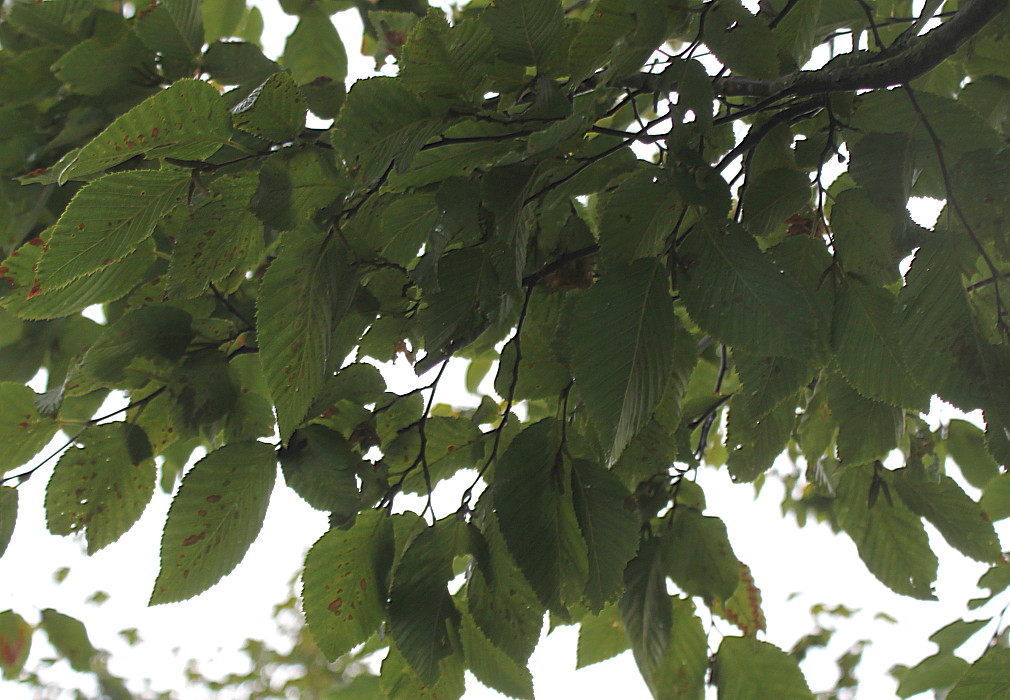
[898,64]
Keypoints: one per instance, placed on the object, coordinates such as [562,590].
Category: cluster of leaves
[488,203]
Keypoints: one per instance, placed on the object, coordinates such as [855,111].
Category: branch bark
[899,63]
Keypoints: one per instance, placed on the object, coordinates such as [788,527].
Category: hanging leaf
[304,295]
[890,537]
[101,488]
[646,609]
[314,50]
[345,581]
[986,678]
[422,618]
[867,429]
[681,674]
[966,444]
[320,466]
[772,197]
[862,235]
[492,666]
[698,555]
[601,637]
[743,608]
[532,499]
[15,643]
[609,528]
[214,517]
[70,639]
[622,347]
[950,510]
[868,347]
[746,668]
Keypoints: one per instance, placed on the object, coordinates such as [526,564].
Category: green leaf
[447,63]
[772,197]
[622,348]
[174,29]
[501,600]
[608,526]
[97,67]
[345,581]
[29,301]
[214,517]
[101,488]
[275,111]
[755,442]
[601,637]
[381,124]
[532,498]
[767,381]
[986,678]
[221,18]
[23,429]
[70,639]
[319,466]
[157,333]
[646,609]
[238,63]
[681,674]
[698,555]
[862,236]
[736,293]
[15,643]
[304,295]
[954,635]
[314,50]
[940,671]
[294,185]
[492,666]
[399,682]
[8,518]
[959,519]
[422,617]
[187,121]
[740,41]
[966,444]
[638,217]
[996,497]
[218,239]
[106,221]
[743,608]
[527,32]
[867,429]
[890,537]
[746,668]
[868,347]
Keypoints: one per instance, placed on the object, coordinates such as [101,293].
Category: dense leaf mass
[671,235]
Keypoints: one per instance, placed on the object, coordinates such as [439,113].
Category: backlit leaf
[101,487]
[749,669]
[15,643]
[345,581]
[214,517]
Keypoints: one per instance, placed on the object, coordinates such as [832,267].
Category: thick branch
[898,64]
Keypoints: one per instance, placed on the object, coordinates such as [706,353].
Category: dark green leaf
[532,499]
[622,348]
[986,678]
[966,444]
[70,639]
[422,617]
[772,197]
[527,32]
[736,293]
[321,468]
[492,666]
[646,609]
[275,111]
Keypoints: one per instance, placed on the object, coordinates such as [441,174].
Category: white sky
[785,560]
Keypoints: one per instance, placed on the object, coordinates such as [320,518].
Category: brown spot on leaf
[193,539]
[214,498]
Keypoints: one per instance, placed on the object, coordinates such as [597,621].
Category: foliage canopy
[661,232]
